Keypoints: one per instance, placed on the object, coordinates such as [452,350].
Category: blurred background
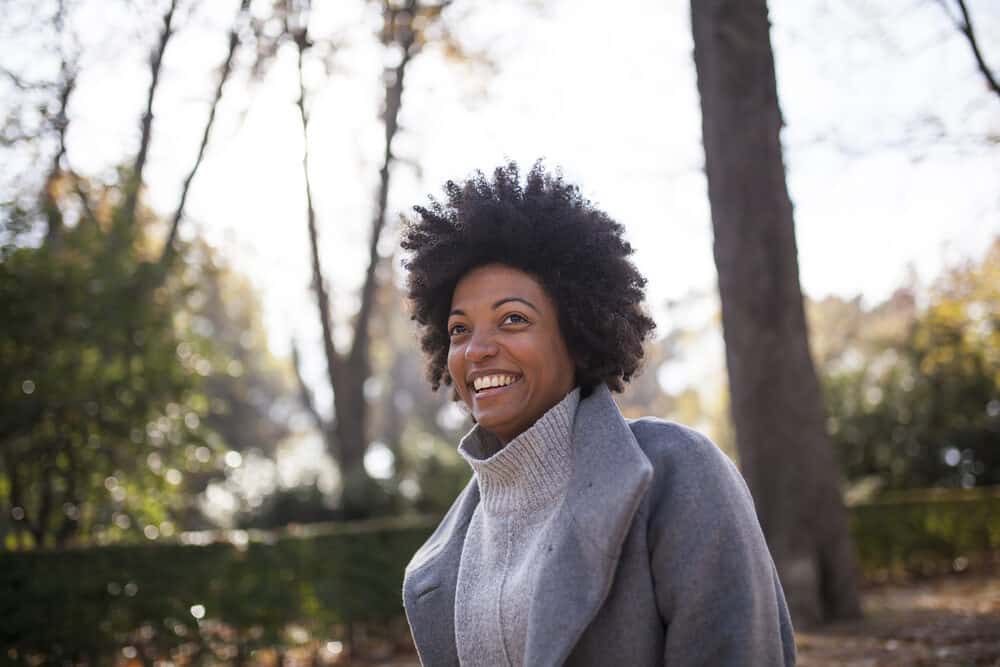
[217,445]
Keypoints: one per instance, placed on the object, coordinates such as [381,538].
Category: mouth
[485,386]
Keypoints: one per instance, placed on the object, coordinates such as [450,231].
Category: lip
[470,378]
[492,391]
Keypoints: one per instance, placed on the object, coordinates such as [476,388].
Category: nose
[481,346]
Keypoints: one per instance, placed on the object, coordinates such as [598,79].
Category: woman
[582,538]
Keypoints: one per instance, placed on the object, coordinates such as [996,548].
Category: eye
[456,330]
[515,318]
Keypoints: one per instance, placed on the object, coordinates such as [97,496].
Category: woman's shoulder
[664,441]
[685,462]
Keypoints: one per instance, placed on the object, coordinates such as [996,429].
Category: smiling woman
[507,359]
[582,538]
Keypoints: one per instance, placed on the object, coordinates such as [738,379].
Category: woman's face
[507,358]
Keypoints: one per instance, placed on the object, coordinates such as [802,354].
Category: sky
[892,141]
[887,139]
[610,98]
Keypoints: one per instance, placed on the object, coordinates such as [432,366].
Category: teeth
[490,381]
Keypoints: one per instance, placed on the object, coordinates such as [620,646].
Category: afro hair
[545,228]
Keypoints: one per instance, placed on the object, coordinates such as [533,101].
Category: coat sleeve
[716,586]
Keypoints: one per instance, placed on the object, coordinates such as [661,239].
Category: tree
[252,404]
[407,26]
[97,407]
[776,402]
[922,408]
[101,381]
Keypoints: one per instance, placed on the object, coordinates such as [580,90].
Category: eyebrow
[506,299]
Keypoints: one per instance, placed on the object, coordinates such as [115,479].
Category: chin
[497,426]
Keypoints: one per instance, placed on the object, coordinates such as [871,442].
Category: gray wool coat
[654,557]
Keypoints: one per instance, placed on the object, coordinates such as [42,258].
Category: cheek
[456,371]
[560,362]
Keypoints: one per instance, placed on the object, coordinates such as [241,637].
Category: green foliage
[926,531]
[88,603]
[99,409]
[923,408]
[124,379]
[251,406]
[435,471]
[251,391]
[90,388]
[303,504]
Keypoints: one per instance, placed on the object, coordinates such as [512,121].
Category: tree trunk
[776,404]
[361,495]
[50,205]
[11,464]
[348,438]
[403,36]
[67,82]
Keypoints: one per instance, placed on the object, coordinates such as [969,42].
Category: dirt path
[948,622]
[951,621]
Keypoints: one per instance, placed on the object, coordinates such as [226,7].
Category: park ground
[950,621]
[944,621]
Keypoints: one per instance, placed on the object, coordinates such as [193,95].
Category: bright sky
[607,95]
[611,97]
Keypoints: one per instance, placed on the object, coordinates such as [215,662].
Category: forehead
[485,285]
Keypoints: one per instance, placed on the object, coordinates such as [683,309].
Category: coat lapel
[610,478]
[611,475]
[429,583]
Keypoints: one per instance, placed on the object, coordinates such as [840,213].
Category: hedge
[926,531]
[84,605]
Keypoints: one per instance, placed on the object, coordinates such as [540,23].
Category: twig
[333,360]
[227,67]
[964,25]
[155,66]
[307,396]
[393,102]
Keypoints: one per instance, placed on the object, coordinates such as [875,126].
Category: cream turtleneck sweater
[520,486]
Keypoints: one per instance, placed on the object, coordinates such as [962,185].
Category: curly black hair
[545,228]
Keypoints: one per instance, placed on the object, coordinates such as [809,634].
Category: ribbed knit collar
[533,469]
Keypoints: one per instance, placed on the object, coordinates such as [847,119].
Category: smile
[496,381]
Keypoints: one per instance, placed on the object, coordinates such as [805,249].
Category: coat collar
[610,477]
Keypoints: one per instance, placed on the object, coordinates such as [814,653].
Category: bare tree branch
[227,67]
[348,439]
[333,360]
[155,65]
[306,393]
[964,25]
[70,519]
[50,205]
[88,211]
[24,85]
[67,83]
[393,101]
